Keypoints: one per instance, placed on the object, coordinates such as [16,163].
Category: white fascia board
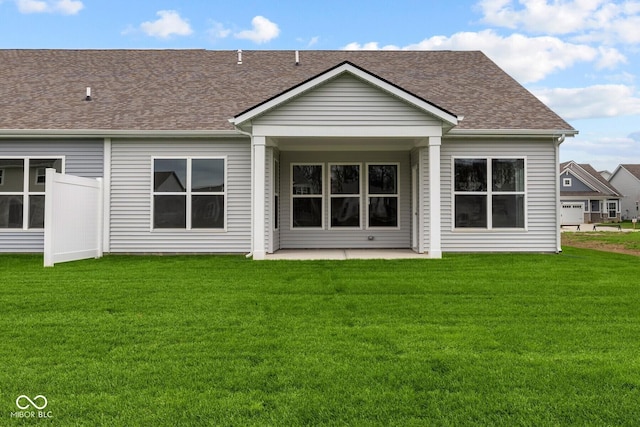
[506,133]
[345,68]
[348,131]
[102,133]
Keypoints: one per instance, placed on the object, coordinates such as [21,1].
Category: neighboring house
[237,152]
[586,196]
[627,179]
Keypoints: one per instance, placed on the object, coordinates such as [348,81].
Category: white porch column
[258,145]
[435,246]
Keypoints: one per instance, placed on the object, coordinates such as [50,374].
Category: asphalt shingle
[201,90]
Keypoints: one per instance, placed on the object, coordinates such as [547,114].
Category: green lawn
[490,339]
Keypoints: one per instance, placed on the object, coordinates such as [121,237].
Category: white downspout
[558,204]
[250,254]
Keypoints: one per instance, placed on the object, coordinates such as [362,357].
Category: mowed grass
[517,339]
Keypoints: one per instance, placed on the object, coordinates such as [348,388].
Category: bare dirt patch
[578,240]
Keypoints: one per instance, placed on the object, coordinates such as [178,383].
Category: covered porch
[344,198]
[345,160]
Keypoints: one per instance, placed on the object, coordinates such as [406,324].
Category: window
[40,174]
[489,193]
[566,182]
[1,176]
[382,193]
[22,191]
[307,195]
[612,209]
[345,195]
[189,193]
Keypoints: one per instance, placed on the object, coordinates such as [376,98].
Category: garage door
[572,214]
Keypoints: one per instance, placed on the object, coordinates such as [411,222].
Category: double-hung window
[189,193]
[489,193]
[22,191]
[345,195]
[383,195]
[307,195]
[612,209]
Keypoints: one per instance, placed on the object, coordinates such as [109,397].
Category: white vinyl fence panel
[72,218]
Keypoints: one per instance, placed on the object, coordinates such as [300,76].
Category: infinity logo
[31,402]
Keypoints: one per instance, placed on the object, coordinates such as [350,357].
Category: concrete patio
[344,254]
[592,227]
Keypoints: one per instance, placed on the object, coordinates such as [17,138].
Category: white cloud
[527,59]
[32,6]
[218,31]
[539,16]
[586,20]
[170,23]
[69,7]
[370,46]
[263,31]
[65,7]
[596,101]
[313,41]
[609,58]
[601,152]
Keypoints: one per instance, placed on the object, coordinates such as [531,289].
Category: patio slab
[343,254]
[590,227]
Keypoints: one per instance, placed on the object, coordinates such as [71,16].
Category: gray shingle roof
[588,175]
[201,90]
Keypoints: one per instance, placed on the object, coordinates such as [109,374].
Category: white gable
[346,101]
[347,96]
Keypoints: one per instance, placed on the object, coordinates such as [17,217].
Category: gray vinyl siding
[541,208]
[576,184]
[131,186]
[82,158]
[342,237]
[629,186]
[346,101]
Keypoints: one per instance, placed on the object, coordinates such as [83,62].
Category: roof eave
[114,133]
[506,133]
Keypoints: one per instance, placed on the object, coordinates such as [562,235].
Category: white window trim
[368,195]
[489,194]
[188,193]
[298,196]
[342,196]
[566,182]
[25,193]
[617,208]
[276,194]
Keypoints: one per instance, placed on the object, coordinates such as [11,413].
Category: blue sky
[581,57]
